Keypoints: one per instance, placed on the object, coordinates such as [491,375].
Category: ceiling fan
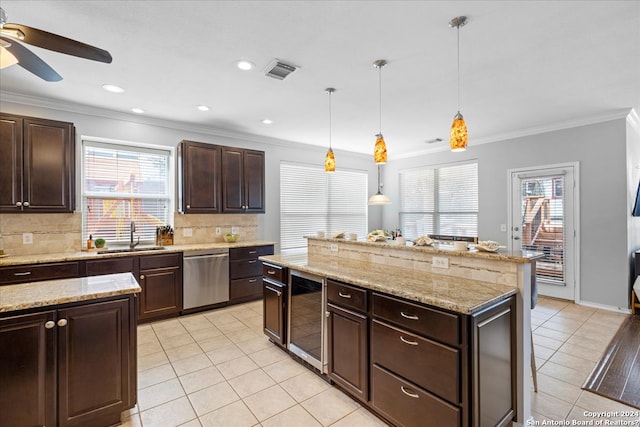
[13,52]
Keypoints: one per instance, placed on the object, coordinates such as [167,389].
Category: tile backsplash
[54,233]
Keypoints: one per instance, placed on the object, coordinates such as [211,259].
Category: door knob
[18,204]
[62,322]
[25,204]
[142,277]
[516,238]
[50,324]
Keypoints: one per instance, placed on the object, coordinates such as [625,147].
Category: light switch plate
[187,232]
[440,262]
[334,247]
[27,238]
[235,230]
[218,231]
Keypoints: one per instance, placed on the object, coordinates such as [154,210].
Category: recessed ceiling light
[245,65]
[113,88]
[138,110]
[267,121]
[203,108]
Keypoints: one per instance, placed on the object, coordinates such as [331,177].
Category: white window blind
[312,200]
[123,183]
[439,200]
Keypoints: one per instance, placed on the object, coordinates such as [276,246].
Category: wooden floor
[617,375]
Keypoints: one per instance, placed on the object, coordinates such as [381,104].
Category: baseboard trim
[604,307]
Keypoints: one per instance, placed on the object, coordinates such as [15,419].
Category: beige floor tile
[176,341]
[165,324]
[294,416]
[284,369]
[360,418]
[585,353]
[235,414]
[551,333]
[268,402]
[203,378]
[195,322]
[183,352]
[191,364]
[155,375]
[152,360]
[215,343]
[596,344]
[543,352]
[305,385]
[597,331]
[146,335]
[563,325]
[170,331]
[149,348]
[557,388]
[192,423]
[594,402]
[234,326]
[224,354]
[206,334]
[329,406]
[268,356]
[547,342]
[574,362]
[211,398]
[131,421]
[251,382]
[563,373]
[549,407]
[255,344]
[220,317]
[172,413]
[242,335]
[160,393]
[236,367]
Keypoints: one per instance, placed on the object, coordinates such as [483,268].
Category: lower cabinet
[69,366]
[274,303]
[245,273]
[161,281]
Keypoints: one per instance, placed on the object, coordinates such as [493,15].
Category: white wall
[601,150]
[633,181]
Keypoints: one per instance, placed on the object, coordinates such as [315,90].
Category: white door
[543,219]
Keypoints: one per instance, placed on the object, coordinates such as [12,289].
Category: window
[439,200]
[124,183]
[312,200]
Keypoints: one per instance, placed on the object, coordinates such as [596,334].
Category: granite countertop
[451,293]
[93,254]
[54,292]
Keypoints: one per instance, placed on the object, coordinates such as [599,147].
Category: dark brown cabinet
[245,272]
[160,277]
[37,165]
[274,303]
[199,177]
[347,338]
[70,366]
[242,180]
[36,272]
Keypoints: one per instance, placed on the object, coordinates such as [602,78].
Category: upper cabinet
[199,179]
[242,180]
[218,179]
[37,165]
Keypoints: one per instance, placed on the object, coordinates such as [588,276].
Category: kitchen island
[448,329]
[68,351]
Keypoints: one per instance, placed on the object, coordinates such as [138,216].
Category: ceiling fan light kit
[13,35]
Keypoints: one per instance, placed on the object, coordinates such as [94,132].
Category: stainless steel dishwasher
[205,278]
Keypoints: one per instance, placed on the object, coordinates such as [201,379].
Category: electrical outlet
[27,238]
[235,230]
[218,231]
[503,227]
[334,247]
[187,232]
[440,262]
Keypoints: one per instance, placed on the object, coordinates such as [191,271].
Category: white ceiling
[526,66]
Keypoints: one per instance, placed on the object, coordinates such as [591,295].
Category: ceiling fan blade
[31,62]
[46,40]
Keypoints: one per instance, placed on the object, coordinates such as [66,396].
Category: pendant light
[380,150]
[458,137]
[379,198]
[330,160]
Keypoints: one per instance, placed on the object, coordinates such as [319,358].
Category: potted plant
[99,242]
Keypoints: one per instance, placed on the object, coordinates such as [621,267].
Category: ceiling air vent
[279,70]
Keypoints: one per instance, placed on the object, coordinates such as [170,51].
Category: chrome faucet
[133,229]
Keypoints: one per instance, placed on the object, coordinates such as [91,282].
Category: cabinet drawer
[407,405]
[246,288]
[274,272]
[245,268]
[36,272]
[111,266]
[347,295]
[428,364]
[423,320]
[250,252]
[148,262]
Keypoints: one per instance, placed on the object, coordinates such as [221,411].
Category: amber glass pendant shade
[330,161]
[458,137]
[380,150]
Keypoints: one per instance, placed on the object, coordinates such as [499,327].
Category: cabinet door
[232,180]
[161,294]
[200,177]
[254,181]
[27,369]
[347,350]
[274,311]
[93,363]
[49,170]
[10,163]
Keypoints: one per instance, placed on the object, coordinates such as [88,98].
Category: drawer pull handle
[409,316]
[406,341]
[278,293]
[62,322]
[409,393]
[142,277]
[271,272]
[253,261]
[26,273]
[252,280]
[50,324]
[253,252]
[348,296]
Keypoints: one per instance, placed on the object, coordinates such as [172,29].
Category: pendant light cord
[380,94]
[330,92]
[458,67]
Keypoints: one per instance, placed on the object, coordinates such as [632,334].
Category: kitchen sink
[125,250]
